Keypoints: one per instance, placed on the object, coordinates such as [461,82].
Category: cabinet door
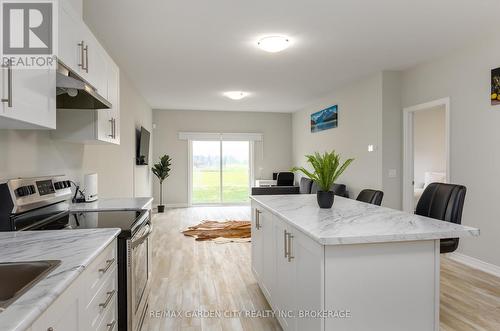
[257,249]
[96,61]
[284,290]
[33,103]
[70,39]
[308,271]
[63,315]
[113,81]
[268,261]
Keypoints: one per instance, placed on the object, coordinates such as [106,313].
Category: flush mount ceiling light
[236,95]
[273,44]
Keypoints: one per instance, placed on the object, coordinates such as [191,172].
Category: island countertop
[354,222]
[75,249]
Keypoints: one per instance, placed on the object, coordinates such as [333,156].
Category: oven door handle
[141,239]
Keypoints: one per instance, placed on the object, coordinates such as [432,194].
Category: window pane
[235,171]
[206,172]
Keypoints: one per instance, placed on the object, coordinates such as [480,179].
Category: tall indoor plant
[161,170]
[327,170]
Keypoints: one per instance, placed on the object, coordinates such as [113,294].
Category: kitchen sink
[18,277]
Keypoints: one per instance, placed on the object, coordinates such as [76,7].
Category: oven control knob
[23,191]
[31,189]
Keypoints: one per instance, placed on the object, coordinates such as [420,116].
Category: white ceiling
[182,54]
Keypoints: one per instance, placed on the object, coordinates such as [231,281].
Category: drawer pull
[108,299]
[109,263]
[111,325]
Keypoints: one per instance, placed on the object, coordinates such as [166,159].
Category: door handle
[285,241]
[111,325]
[8,100]
[110,294]
[87,58]
[112,129]
[84,55]
[290,256]
[257,219]
[109,263]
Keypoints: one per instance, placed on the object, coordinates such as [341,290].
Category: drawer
[101,268]
[103,300]
[109,321]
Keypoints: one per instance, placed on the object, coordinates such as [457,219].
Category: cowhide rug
[220,232]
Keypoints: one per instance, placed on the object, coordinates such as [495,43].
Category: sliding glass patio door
[220,171]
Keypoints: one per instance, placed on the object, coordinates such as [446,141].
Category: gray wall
[34,153]
[464,76]
[273,154]
[359,120]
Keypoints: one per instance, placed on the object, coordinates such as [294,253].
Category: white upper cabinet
[81,51]
[28,98]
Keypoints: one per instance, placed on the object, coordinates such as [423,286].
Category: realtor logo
[28,36]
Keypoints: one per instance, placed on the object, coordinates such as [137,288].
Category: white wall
[274,154]
[464,76]
[429,142]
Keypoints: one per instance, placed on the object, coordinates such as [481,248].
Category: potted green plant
[327,170]
[161,170]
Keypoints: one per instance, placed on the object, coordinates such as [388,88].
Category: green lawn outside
[206,185]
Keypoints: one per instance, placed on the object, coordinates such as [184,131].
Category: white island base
[386,286]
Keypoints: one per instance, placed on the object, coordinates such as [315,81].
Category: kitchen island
[353,267]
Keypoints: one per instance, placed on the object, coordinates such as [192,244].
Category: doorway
[426,154]
[220,171]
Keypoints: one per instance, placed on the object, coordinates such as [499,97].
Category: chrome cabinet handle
[114,128]
[87,58]
[84,54]
[290,256]
[285,237]
[257,219]
[109,263]
[111,325]
[108,299]
[111,122]
[9,84]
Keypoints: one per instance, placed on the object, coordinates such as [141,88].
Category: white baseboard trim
[176,205]
[475,263]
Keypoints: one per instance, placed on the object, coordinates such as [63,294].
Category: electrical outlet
[393,173]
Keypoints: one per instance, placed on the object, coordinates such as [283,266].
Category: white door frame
[408,144]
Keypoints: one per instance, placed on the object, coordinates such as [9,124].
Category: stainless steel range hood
[73,92]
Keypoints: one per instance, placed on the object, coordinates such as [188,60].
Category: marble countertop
[75,249]
[113,204]
[353,222]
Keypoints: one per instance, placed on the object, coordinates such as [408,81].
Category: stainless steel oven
[139,250]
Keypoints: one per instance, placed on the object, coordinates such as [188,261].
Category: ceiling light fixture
[236,95]
[273,44]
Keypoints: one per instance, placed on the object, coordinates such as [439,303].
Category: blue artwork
[324,119]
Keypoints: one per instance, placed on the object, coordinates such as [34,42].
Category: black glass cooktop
[127,221]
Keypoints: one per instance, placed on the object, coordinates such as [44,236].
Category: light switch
[393,173]
[371,148]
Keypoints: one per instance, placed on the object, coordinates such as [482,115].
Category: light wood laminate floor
[190,276]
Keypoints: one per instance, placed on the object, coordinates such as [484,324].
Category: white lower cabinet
[289,268]
[89,303]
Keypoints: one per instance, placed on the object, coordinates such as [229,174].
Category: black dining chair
[371,196]
[443,202]
[305,185]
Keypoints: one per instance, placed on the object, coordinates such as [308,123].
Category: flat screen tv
[143,147]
